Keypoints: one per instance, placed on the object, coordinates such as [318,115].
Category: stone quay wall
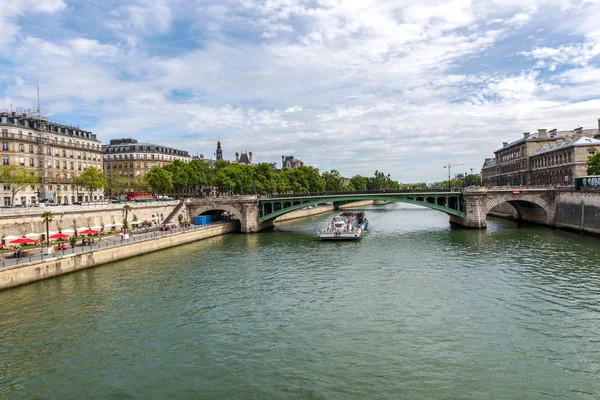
[504,210]
[303,213]
[20,221]
[579,211]
[55,266]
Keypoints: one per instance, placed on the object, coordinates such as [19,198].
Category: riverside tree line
[198,178]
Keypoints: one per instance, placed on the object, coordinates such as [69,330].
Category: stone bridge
[468,208]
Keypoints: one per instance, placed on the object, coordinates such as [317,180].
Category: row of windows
[144,157]
[552,160]
[138,165]
[57,164]
[165,150]
[55,140]
[511,155]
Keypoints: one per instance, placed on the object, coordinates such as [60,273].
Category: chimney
[14,114]
[250,157]
[542,134]
[237,157]
[526,134]
[283,157]
[504,144]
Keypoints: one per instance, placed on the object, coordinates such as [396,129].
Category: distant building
[219,153]
[244,158]
[54,152]
[130,159]
[290,162]
[543,158]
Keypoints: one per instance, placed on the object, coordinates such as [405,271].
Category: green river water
[415,310]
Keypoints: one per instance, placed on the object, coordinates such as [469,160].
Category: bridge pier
[476,210]
[243,208]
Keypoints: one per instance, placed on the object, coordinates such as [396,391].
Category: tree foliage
[160,180]
[91,179]
[17,178]
[593,164]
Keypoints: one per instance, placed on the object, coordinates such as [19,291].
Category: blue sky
[397,86]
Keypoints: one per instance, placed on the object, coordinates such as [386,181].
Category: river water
[415,310]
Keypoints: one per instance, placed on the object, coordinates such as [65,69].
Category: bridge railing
[355,192]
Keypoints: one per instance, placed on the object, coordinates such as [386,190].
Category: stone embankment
[63,264]
[305,212]
[20,221]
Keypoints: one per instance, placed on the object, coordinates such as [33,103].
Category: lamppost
[449,166]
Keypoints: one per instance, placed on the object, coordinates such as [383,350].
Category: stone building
[543,158]
[290,162]
[55,152]
[129,159]
[244,158]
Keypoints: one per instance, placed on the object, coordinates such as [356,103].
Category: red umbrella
[59,236]
[89,232]
[23,241]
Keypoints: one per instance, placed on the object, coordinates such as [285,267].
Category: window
[31,162]
[72,165]
[57,163]
[71,153]
[7,201]
[31,148]
[4,146]
[6,187]
[138,165]
[591,152]
[21,147]
[152,165]
[130,165]
[64,165]
[48,151]
[145,165]
[22,161]
[64,151]
[4,160]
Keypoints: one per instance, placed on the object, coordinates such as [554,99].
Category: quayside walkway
[106,242]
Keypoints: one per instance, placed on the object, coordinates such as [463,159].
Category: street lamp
[449,166]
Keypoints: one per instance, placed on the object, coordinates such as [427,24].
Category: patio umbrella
[23,241]
[32,235]
[118,224]
[136,222]
[108,225]
[68,230]
[89,232]
[10,237]
[83,228]
[96,227]
[59,236]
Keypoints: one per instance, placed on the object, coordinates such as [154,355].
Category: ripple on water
[416,309]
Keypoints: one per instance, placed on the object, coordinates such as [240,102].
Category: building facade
[543,158]
[290,162]
[129,159]
[55,153]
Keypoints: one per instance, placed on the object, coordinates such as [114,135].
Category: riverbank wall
[64,264]
[356,204]
[578,211]
[303,213]
[20,221]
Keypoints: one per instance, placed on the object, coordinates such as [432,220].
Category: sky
[399,86]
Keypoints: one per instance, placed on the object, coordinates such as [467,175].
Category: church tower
[219,151]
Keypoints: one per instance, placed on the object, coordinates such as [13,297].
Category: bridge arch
[531,208]
[447,203]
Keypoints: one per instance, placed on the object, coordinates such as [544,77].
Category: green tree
[140,184]
[333,181]
[359,182]
[593,164]
[127,208]
[117,185]
[160,180]
[17,178]
[47,217]
[472,180]
[91,179]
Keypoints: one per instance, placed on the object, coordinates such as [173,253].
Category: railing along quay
[104,243]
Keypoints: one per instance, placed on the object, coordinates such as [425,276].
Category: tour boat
[349,225]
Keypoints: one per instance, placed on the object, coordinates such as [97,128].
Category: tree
[472,180]
[160,180]
[333,181]
[117,185]
[594,164]
[127,208]
[91,179]
[359,182]
[17,178]
[47,217]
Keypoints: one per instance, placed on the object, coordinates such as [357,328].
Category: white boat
[349,225]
